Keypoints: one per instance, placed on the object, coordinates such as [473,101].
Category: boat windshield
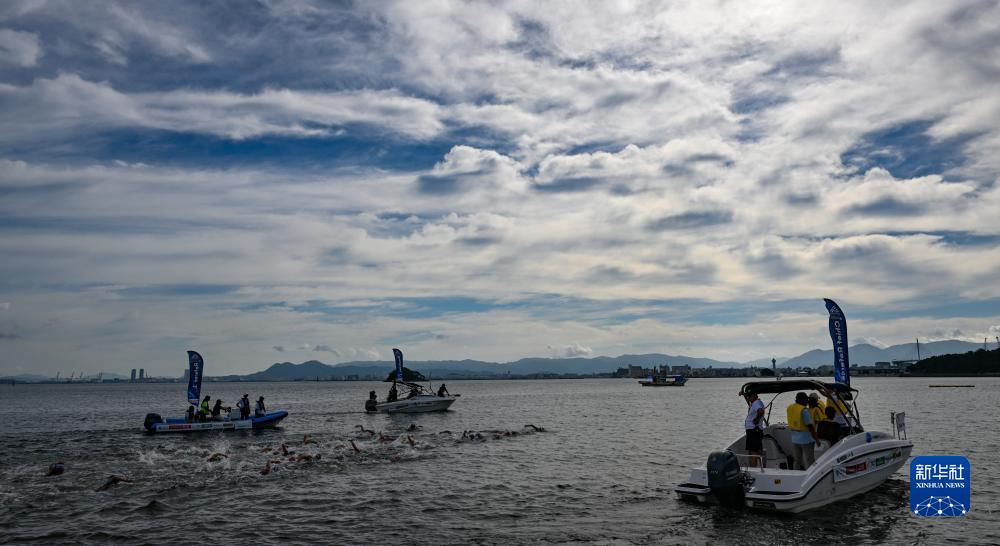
[411,389]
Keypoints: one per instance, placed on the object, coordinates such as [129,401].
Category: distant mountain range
[863,354]
[444,368]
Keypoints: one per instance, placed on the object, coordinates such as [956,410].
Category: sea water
[602,471]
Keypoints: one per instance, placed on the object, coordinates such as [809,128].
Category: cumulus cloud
[874,342]
[467,169]
[571,351]
[362,353]
[48,105]
[326,349]
[19,48]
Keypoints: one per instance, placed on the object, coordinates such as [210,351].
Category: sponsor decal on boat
[940,486]
[845,456]
[861,468]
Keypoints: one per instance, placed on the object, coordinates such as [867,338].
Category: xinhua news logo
[940,486]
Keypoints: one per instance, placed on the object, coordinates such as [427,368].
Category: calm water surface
[602,472]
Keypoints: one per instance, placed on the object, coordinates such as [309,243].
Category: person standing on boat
[817,411]
[205,409]
[443,391]
[828,429]
[260,410]
[754,427]
[217,410]
[804,437]
[841,409]
[244,405]
[393,393]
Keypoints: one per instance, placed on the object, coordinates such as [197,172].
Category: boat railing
[898,421]
[758,459]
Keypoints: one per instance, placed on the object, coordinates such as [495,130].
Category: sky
[294,180]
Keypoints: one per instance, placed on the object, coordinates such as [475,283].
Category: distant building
[142,375]
[883,365]
[681,369]
[637,371]
[133,376]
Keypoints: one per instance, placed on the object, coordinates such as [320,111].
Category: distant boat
[668,381]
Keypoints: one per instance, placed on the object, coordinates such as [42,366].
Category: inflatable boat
[154,423]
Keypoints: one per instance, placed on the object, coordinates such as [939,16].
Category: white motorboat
[421,403]
[414,399]
[855,464]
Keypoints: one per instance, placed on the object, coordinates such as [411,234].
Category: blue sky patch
[906,151]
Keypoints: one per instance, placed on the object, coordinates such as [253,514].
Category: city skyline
[491,180]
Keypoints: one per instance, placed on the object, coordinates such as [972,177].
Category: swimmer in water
[307,440]
[410,439]
[536,429]
[412,428]
[268,467]
[284,449]
[356,450]
[361,428]
[383,438]
[56,469]
[113,480]
[216,457]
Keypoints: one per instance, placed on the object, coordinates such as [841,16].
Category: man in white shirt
[754,426]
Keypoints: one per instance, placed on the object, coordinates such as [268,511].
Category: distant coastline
[881,362]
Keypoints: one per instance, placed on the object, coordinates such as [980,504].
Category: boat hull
[845,473]
[652,384]
[424,403]
[269,420]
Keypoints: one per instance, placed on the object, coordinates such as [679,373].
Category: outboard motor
[151,419]
[372,403]
[724,478]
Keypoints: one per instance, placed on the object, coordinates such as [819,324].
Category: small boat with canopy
[851,462]
[408,396]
